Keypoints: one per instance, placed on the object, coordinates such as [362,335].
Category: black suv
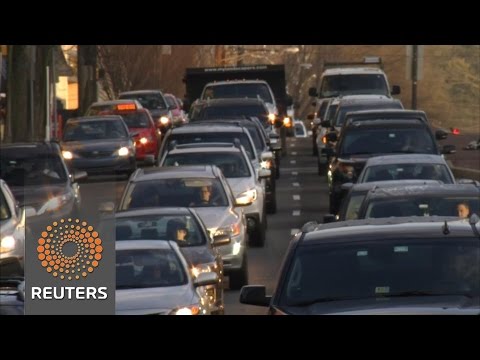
[387,134]
[414,265]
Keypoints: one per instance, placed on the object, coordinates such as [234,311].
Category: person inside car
[463,210]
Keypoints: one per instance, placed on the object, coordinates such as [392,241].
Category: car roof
[388,113]
[21,149]
[115,102]
[352,70]
[144,244]
[390,183]
[204,148]
[139,92]
[194,128]
[96,118]
[385,123]
[427,190]
[231,101]
[152,211]
[405,159]
[385,228]
[175,172]
[236,81]
[364,97]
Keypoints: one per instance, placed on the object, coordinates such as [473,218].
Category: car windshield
[421,205]
[232,164]
[238,90]
[32,170]
[4,209]
[387,141]
[94,130]
[148,268]
[408,172]
[343,110]
[183,229]
[136,119]
[234,111]
[216,137]
[188,192]
[150,101]
[383,268]
[353,84]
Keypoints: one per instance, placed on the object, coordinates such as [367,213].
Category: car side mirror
[449,149]
[29,211]
[310,117]
[254,295]
[79,175]
[312,92]
[134,135]
[329,218]
[204,279]
[396,90]
[107,207]
[347,186]
[317,122]
[221,239]
[441,134]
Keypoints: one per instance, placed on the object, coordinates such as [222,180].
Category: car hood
[216,217]
[95,145]
[414,305]
[152,300]
[198,254]
[240,185]
[36,196]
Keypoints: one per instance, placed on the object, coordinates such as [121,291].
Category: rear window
[94,130]
[343,110]
[232,164]
[238,90]
[215,137]
[234,111]
[136,119]
[353,84]
[149,101]
[408,172]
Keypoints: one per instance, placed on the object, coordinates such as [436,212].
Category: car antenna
[445,228]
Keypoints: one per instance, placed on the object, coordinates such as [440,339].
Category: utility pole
[219,55]
[414,75]
[87,76]
[240,53]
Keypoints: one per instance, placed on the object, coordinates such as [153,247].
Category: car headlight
[252,194]
[271,118]
[123,151]
[7,244]
[67,155]
[164,120]
[55,203]
[186,310]
[233,230]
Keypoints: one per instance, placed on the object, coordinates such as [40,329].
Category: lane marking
[293,162]
[294,153]
[296,197]
[296,213]
[294,173]
[294,231]
[296,184]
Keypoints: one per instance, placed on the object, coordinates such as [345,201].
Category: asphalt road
[301,197]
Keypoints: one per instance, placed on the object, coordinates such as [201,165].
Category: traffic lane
[301,197]
[469,159]
[97,190]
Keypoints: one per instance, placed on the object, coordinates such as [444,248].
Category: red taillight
[455,131]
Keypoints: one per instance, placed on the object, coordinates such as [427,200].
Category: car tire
[272,206]
[239,278]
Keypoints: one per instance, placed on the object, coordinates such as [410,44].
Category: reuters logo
[69,249]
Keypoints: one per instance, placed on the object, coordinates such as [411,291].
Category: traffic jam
[225,203]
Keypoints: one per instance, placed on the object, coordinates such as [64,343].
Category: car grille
[95,154]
